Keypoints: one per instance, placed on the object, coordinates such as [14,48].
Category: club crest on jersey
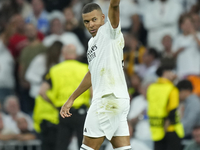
[91,53]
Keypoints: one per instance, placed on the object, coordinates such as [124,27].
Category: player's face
[93,20]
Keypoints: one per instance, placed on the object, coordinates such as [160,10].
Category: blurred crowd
[33,39]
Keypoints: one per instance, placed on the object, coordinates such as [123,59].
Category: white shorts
[107,117]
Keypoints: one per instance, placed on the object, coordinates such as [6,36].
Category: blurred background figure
[34,48]
[57,33]
[138,120]
[190,111]
[18,38]
[186,47]
[161,18]
[167,56]
[195,144]
[25,133]
[61,81]
[134,87]
[163,102]
[133,53]
[12,108]
[40,65]
[73,24]
[150,64]
[7,65]
[39,16]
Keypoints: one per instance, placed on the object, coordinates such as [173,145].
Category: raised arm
[113,13]
[84,85]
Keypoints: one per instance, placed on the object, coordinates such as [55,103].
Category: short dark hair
[196,127]
[90,7]
[153,52]
[185,85]
[162,69]
[183,17]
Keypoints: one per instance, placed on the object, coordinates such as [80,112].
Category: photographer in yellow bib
[59,84]
[163,101]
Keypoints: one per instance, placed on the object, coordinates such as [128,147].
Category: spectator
[163,101]
[18,39]
[196,21]
[133,55]
[56,5]
[161,18]
[13,7]
[40,65]
[45,116]
[191,105]
[195,145]
[34,48]
[72,25]
[7,81]
[186,47]
[25,134]
[135,83]
[138,120]
[168,58]
[138,29]
[12,108]
[77,6]
[59,81]
[6,133]
[58,34]
[39,17]
[149,65]
[127,10]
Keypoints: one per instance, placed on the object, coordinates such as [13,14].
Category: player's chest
[97,49]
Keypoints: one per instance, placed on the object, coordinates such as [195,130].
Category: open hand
[64,112]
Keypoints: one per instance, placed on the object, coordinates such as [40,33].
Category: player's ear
[103,17]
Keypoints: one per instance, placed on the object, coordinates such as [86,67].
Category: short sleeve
[114,33]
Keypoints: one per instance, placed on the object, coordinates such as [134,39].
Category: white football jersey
[105,58]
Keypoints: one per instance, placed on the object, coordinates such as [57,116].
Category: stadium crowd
[33,39]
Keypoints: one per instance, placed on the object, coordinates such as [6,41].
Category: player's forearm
[113,13]
[84,85]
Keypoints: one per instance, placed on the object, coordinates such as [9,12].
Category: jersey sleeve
[114,33]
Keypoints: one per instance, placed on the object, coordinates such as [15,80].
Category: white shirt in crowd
[34,74]
[160,19]
[66,38]
[105,55]
[142,134]
[139,106]
[127,9]
[145,71]
[188,61]
[6,68]
[11,124]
